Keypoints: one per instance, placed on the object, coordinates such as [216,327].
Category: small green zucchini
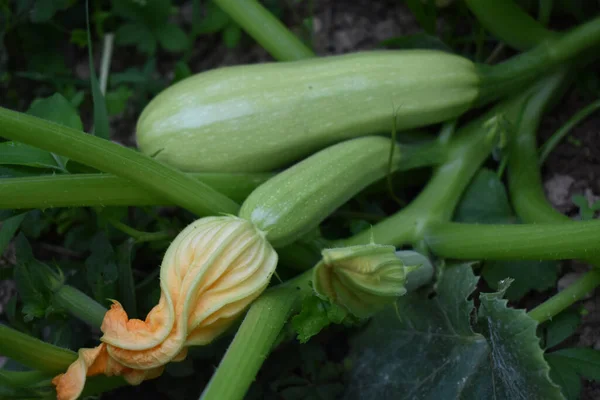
[256,118]
[298,199]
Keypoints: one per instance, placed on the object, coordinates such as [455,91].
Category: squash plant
[262,156]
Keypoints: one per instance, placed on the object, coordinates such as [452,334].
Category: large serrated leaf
[428,350]
[516,368]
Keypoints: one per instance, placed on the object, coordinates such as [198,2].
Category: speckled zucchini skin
[298,199]
[261,117]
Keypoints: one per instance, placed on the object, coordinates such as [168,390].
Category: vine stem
[168,182]
[531,205]
[267,30]
[80,305]
[549,241]
[104,190]
[567,297]
[469,148]
[254,339]
[564,130]
[511,75]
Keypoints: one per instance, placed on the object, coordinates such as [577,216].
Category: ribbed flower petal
[210,273]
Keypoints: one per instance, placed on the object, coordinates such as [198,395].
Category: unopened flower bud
[210,273]
[364,278]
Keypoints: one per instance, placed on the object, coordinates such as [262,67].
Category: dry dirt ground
[344,26]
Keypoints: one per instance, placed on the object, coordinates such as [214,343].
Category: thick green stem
[515,73]
[80,305]
[510,23]
[267,30]
[23,379]
[530,203]
[33,352]
[468,149]
[170,183]
[562,241]
[105,190]
[255,338]
[564,299]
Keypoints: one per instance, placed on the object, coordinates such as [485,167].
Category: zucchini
[298,199]
[256,118]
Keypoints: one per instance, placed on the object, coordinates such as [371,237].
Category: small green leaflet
[485,202]
[561,327]
[101,269]
[14,153]
[315,315]
[55,109]
[35,281]
[8,228]
[428,349]
[569,365]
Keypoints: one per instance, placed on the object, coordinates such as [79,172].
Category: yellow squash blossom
[210,273]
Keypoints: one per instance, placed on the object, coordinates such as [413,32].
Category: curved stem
[530,204]
[564,130]
[550,241]
[511,75]
[510,23]
[172,184]
[564,299]
[23,379]
[104,190]
[254,339]
[469,148]
[267,30]
[33,352]
[80,305]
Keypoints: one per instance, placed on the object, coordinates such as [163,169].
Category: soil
[345,26]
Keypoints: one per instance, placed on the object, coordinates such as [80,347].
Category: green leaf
[232,34]
[79,38]
[35,281]
[172,38]
[181,71]
[427,349]
[101,125]
[56,108]
[214,21]
[425,13]
[586,212]
[8,229]
[527,275]
[44,10]
[14,153]
[126,284]
[315,315]
[101,269]
[516,367]
[152,13]
[484,201]
[569,365]
[116,100]
[561,327]
[138,35]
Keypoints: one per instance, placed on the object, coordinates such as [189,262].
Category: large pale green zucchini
[298,199]
[259,117]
